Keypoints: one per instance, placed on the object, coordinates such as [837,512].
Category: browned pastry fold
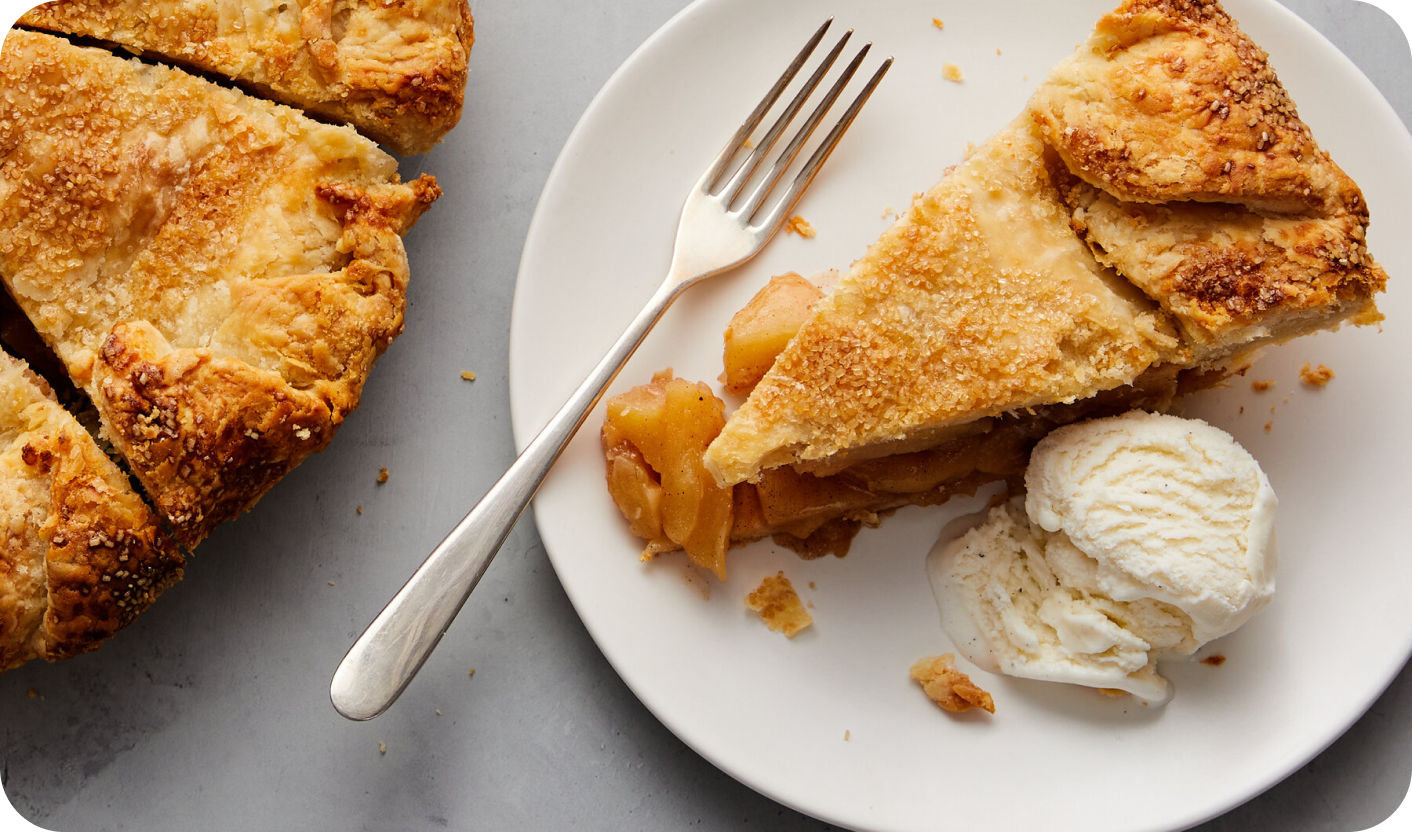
[1229,276]
[980,300]
[1193,176]
[395,69]
[80,553]
[1169,100]
[218,273]
[1160,202]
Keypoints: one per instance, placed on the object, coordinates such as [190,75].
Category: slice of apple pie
[1169,145]
[216,272]
[395,70]
[1157,214]
[80,553]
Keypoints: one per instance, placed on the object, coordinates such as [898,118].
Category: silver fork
[718,231]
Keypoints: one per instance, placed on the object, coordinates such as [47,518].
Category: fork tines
[737,181]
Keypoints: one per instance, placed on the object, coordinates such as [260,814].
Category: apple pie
[216,272]
[394,70]
[80,553]
[1157,214]
[1159,204]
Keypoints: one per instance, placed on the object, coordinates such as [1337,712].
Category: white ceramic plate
[775,713]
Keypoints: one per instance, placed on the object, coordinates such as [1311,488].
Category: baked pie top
[1169,100]
[979,300]
[395,70]
[218,273]
[1168,146]
[1194,177]
[80,553]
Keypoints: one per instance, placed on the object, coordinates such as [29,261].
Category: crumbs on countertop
[382,748]
[948,687]
[473,671]
[468,375]
[938,23]
[360,509]
[1262,386]
[382,475]
[1215,661]
[330,583]
[1269,425]
[952,72]
[799,225]
[847,735]
[778,605]
[1316,378]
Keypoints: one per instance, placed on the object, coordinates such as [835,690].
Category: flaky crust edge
[107,559]
[208,434]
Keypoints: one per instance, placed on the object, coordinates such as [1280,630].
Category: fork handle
[390,652]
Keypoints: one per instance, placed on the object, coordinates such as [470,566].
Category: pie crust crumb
[948,687]
[1316,377]
[799,225]
[778,606]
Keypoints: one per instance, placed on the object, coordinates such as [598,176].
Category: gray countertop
[211,711]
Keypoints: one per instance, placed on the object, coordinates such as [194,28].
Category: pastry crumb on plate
[1317,377]
[948,687]
[778,606]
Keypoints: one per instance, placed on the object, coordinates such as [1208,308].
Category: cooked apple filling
[654,436]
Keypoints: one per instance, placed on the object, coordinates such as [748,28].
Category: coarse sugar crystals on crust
[1233,278]
[978,301]
[396,70]
[80,553]
[1168,99]
[218,273]
[1194,177]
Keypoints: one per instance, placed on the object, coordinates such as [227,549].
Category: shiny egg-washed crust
[80,553]
[1169,100]
[218,273]
[978,301]
[395,70]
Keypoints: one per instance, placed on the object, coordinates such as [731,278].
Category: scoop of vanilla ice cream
[1142,537]
[1019,601]
[1171,509]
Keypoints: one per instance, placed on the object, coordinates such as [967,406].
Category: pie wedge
[394,70]
[80,553]
[216,272]
[1159,204]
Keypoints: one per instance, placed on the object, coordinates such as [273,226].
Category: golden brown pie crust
[217,272]
[80,553]
[396,70]
[1180,162]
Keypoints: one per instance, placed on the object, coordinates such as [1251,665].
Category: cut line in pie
[214,274]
